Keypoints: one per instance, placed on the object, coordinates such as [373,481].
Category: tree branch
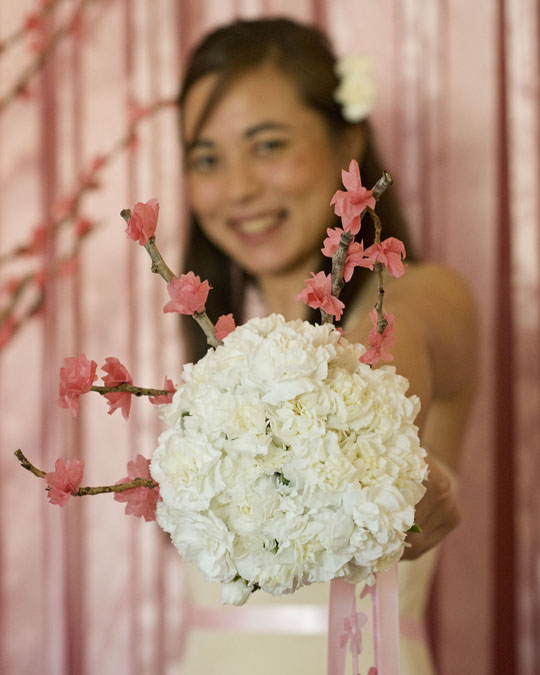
[43,56]
[84,491]
[208,328]
[26,464]
[130,389]
[340,256]
[20,32]
[159,266]
[379,268]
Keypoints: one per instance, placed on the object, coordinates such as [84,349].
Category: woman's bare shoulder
[433,282]
[438,298]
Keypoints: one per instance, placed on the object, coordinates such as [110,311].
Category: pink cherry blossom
[117,374]
[349,205]
[355,253]
[188,294]
[83,227]
[11,285]
[136,111]
[64,207]
[331,243]
[34,22]
[77,376]
[356,257]
[88,179]
[391,253]
[380,344]
[68,267]
[41,277]
[143,221]
[318,294]
[140,501]
[7,330]
[164,398]
[40,234]
[64,480]
[224,325]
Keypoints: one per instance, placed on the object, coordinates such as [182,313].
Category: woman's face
[262,171]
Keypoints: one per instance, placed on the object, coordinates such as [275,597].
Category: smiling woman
[260,172]
[265,143]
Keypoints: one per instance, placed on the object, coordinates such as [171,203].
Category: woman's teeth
[257,225]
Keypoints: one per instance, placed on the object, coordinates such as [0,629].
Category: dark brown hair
[303,53]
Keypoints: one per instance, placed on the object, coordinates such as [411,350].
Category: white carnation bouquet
[287,461]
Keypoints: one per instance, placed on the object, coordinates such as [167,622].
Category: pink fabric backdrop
[87,590]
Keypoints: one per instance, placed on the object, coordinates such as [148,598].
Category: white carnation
[286,461]
[356,91]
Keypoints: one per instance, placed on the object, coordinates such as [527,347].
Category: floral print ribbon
[345,625]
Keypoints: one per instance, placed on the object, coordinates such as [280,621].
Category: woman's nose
[243,183]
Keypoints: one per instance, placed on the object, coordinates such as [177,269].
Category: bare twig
[26,464]
[122,487]
[208,328]
[338,263]
[130,389]
[379,268]
[380,187]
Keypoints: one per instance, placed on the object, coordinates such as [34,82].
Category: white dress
[227,652]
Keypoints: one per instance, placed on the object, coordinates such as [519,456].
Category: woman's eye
[202,162]
[264,148]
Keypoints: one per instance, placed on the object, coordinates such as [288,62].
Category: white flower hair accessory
[356,91]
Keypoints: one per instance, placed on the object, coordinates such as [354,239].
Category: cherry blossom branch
[207,327]
[9,326]
[339,257]
[84,491]
[127,388]
[22,284]
[89,179]
[20,32]
[338,263]
[26,464]
[122,487]
[379,267]
[380,187]
[22,83]
[159,266]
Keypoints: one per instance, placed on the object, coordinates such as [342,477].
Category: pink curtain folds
[85,589]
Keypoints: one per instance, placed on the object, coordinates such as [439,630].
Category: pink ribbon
[342,606]
[386,622]
[345,623]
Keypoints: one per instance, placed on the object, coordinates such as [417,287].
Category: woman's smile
[257,228]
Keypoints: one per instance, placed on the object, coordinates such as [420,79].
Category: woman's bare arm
[435,350]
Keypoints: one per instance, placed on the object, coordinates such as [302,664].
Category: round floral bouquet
[287,461]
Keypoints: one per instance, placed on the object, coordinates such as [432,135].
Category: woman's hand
[437,513]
